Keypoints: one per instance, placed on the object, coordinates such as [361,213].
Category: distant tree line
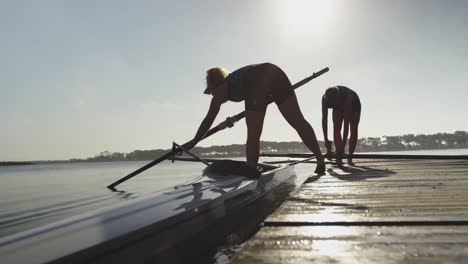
[15,163]
[458,139]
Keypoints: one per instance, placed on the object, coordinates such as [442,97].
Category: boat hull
[146,228]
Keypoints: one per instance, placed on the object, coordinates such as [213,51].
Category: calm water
[34,195]
[31,196]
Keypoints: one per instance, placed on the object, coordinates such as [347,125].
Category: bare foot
[320,169]
[339,163]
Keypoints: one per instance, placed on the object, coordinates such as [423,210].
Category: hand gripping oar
[229,122]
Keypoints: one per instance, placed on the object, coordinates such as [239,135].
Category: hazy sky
[81,77]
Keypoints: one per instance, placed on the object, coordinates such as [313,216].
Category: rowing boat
[144,228]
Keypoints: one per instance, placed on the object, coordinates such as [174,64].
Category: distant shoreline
[27,163]
[35,162]
[16,163]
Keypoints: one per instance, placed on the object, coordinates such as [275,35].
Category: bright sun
[307,16]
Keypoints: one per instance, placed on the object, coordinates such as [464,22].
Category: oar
[229,122]
[308,79]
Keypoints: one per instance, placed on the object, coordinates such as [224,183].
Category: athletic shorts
[264,84]
[356,104]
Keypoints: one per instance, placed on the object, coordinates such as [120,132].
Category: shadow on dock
[358,173]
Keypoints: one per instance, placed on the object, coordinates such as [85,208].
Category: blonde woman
[346,113]
[256,85]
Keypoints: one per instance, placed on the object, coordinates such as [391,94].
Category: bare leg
[354,136]
[254,121]
[337,124]
[293,115]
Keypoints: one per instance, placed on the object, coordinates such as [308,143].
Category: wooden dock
[380,211]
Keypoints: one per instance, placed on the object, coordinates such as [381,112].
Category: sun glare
[307,16]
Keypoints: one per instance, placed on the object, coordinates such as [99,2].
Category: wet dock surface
[380,211]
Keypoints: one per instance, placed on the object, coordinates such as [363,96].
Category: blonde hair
[214,76]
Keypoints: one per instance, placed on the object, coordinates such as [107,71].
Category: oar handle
[313,76]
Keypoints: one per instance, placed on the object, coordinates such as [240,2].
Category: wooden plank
[408,191]
[357,244]
[398,211]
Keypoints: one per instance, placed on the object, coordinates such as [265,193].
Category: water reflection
[197,194]
[20,220]
[124,196]
[35,195]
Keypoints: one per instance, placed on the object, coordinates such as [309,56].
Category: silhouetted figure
[346,110]
[257,85]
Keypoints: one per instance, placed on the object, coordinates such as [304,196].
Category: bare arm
[207,121]
[324,119]
[347,118]
[325,124]
[337,124]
